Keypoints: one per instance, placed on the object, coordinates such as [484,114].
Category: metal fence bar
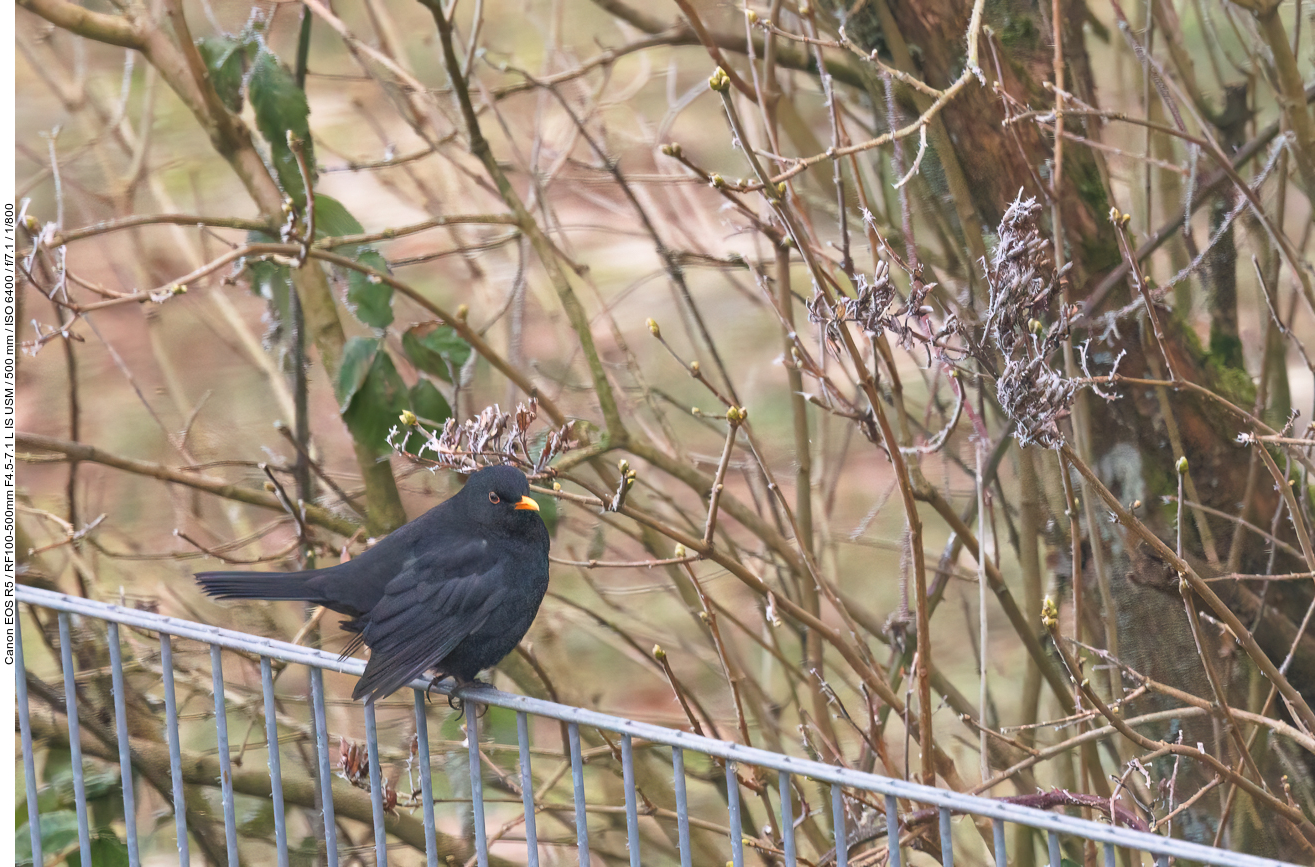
[527,792]
[426,780]
[838,831]
[1052,842]
[1109,855]
[75,735]
[947,838]
[787,818]
[275,768]
[577,778]
[125,748]
[25,734]
[376,788]
[733,812]
[476,783]
[892,830]
[175,750]
[1001,850]
[632,808]
[682,806]
[225,763]
[322,762]
[821,773]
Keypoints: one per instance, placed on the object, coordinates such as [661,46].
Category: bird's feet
[434,685]
[454,701]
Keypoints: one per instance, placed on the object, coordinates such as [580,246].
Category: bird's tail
[259,585]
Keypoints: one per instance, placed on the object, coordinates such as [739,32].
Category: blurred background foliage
[802,356]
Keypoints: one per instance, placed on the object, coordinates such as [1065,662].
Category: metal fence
[850,791]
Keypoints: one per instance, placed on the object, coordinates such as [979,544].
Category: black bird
[455,590]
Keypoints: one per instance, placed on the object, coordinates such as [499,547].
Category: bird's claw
[433,685]
[457,704]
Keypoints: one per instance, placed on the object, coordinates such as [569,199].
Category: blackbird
[454,591]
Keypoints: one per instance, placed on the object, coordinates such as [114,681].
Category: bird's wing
[426,611]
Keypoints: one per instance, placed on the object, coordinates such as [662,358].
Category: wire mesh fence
[865,818]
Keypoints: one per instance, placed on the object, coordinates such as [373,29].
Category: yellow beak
[527,503]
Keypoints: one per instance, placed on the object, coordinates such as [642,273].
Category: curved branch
[82,452]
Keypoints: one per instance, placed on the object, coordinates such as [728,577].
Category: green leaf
[226,59]
[59,830]
[435,349]
[429,405]
[280,107]
[273,282]
[257,820]
[368,297]
[371,404]
[372,302]
[357,356]
[107,850]
[306,853]
[547,511]
[332,219]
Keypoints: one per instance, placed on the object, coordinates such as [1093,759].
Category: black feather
[452,592]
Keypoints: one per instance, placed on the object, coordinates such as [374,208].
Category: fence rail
[1055,826]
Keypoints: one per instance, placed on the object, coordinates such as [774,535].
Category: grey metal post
[577,779]
[476,783]
[275,768]
[25,733]
[892,830]
[225,762]
[125,747]
[787,817]
[322,760]
[376,787]
[426,779]
[527,791]
[838,830]
[175,750]
[947,838]
[75,735]
[733,811]
[682,806]
[632,807]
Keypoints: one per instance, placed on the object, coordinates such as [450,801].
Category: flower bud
[653,328]
[408,418]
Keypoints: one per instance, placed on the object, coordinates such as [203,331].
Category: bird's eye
[493,498]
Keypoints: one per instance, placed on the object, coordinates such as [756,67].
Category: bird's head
[500,497]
